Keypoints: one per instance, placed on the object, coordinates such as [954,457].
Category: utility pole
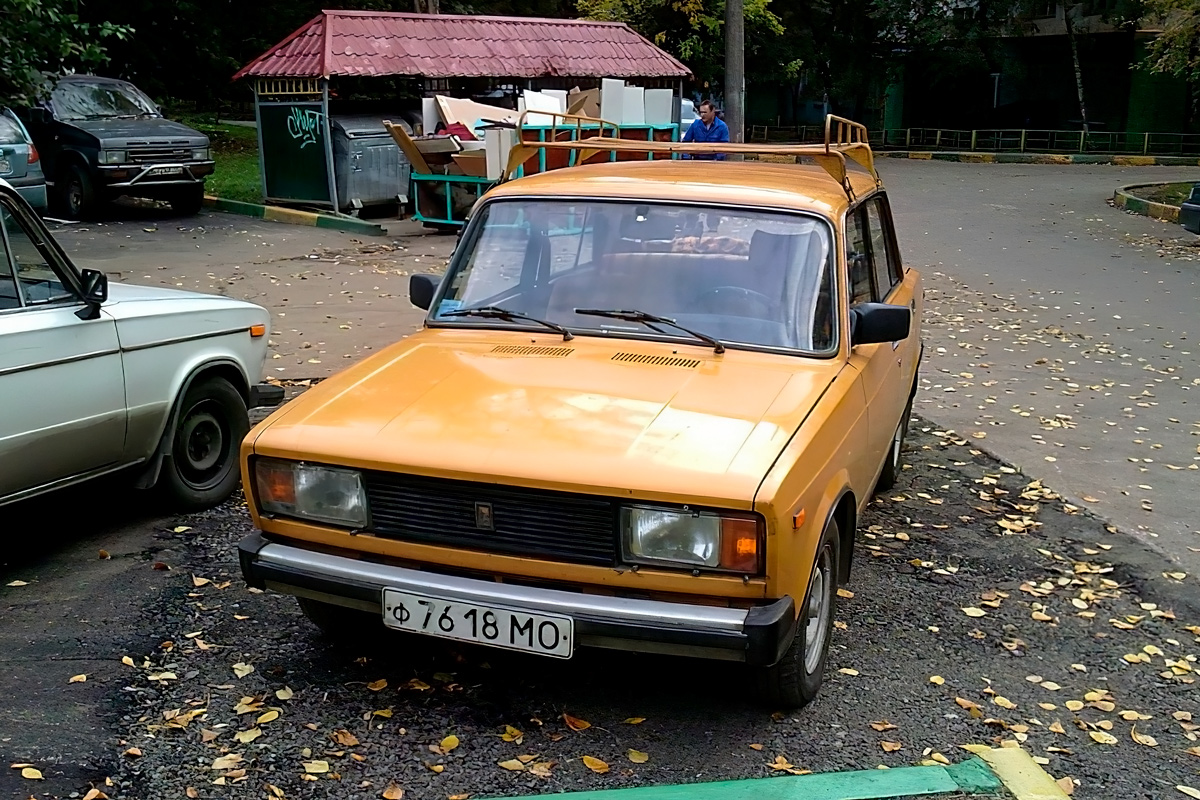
[735,70]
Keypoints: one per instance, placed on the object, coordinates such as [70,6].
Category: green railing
[1001,140]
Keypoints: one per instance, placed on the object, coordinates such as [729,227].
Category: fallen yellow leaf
[315,767]
[345,738]
[848,671]
[127,661]
[77,679]
[1056,727]
[377,686]
[1074,705]
[242,670]
[1142,738]
[780,763]
[936,680]
[393,792]
[1102,737]
[270,716]
[449,743]
[884,725]
[31,773]
[890,747]
[1189,791]
[594,764]
[757,746]
[198,581]
[845,593]
[637,756]
[227,762]
[576,724]
[511,734]
[1004,702]
[245,737]
[513,765]
[284,694]
[635,720]
[974,612]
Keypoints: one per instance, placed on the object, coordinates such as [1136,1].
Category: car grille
[160,155]
[526,522]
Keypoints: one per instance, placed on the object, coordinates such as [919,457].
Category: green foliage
[694,32]
[1176,51]
[46,36]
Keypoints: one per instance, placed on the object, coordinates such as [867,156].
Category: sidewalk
[970,157]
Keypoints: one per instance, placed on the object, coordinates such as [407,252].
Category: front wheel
[202,469]
[796,679]
[77,193]
[188,201]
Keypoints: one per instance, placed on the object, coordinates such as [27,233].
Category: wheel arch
[224,368]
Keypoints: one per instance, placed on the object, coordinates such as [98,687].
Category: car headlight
[308,491]
[200,154]
[691,538]
[112,156]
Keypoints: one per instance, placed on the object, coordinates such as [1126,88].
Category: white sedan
[97,378]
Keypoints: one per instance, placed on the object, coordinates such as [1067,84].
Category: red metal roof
[456,46]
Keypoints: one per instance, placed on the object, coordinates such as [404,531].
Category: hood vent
[527,350]
[657,361]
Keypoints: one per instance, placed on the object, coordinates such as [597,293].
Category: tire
[188,201]
[796,679]
[339,623]
[893,462]
[202,469]
[77,194]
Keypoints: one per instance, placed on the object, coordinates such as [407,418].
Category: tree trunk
[735,70]
[1075,57]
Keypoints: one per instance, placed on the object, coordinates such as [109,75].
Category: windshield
[745,277]
[10,131]
[75,100]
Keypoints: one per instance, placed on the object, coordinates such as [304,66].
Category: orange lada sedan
[649,401]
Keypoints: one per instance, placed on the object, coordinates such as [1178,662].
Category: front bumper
[150,176]
[758,636]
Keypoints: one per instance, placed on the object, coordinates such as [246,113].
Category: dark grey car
[1189,211]
[102,138]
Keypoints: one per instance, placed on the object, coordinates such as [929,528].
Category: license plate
[5,167]
[166,170]
[543,634]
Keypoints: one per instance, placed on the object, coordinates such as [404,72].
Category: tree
[39,38]
[1176,51]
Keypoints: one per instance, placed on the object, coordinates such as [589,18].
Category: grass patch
[1172,193]
[235,149]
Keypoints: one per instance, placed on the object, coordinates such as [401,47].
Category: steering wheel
[735,300]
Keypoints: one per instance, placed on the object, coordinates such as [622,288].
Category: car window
[887,273]
[10,298]
[858,259]
[38,282]
[740,275]
[10,131]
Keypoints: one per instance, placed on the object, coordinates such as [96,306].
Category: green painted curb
[294,217]
[972,775]
[1124,198]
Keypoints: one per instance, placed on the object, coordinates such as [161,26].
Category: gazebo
[293,79]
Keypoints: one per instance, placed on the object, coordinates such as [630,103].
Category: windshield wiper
[650,320]
[495,312]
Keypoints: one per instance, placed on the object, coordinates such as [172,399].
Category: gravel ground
[1058,598]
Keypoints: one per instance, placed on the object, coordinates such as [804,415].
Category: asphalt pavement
[1065,331]
[975,578]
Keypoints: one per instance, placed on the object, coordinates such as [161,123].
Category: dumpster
[371,170]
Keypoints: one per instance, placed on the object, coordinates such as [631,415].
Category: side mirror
[875,323]
[421,289]
[95,292]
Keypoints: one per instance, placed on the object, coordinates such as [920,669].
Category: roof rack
[844,139]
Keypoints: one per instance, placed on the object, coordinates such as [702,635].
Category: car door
[62,392]
[868,264]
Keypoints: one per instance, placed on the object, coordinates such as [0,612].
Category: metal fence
[1001,140]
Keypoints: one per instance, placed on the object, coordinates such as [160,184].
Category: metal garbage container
[370,167]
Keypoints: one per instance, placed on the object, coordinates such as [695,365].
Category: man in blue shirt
[708,128]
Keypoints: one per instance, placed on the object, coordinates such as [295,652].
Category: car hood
[595,415]
[146,315]
[139,132]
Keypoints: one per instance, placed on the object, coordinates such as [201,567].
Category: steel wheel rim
[204,443]
[817,612]
[896,443]
[74,197]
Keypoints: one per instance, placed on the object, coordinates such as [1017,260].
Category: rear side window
[10,132]
[858,258]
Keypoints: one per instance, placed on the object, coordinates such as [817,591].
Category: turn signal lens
[739,544]
[258,330]
[276,483]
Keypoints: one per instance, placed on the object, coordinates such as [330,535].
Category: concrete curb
[293,217]
[1041,158]
[973,776]
[1124,198]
